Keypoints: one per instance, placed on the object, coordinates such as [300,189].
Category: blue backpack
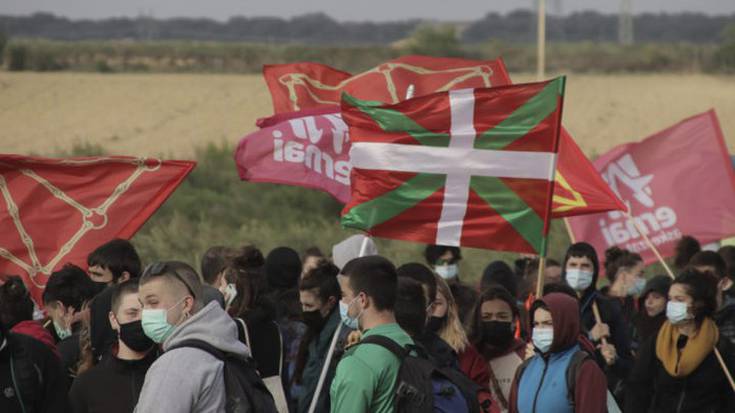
[422,387]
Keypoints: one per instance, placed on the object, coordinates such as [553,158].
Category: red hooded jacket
[590,390]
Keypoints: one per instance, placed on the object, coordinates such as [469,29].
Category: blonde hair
[452,331]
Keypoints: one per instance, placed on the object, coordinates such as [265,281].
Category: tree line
[318,28]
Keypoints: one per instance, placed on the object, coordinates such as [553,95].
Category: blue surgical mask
[578,279]
[677,312]
[637,288]
[155,323]
[542,338]
[346,319]
[447,272]
[61,332]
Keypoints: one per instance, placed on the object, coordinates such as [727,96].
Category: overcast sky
[353,10]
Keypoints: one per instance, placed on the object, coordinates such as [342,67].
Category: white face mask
[230,293]
[543,337]
[447,271]
[578,279]
[677,312]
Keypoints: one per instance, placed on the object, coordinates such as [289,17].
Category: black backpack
[245,390]
[422,387]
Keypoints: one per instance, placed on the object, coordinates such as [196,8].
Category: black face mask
[435,324]
[99,287]
[314,320]
[133,336]
[497,333]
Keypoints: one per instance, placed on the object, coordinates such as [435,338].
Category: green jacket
[366,375]
[318,349]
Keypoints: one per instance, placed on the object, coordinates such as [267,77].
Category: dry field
[170,115]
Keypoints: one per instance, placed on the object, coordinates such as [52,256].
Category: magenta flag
[677,182]
[308,148]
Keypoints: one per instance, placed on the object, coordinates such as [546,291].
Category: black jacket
[102,336]
[36,375]
[438,349]
[706,390]
[611,314]
[112,386]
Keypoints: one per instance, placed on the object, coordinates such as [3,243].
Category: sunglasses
[161,267]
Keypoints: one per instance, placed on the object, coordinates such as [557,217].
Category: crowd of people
[354,332]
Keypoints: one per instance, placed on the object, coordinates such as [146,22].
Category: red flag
[55,211]
[579,188]
[677,182]
[301,86]
[470,167]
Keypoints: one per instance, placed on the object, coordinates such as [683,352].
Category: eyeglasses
[161,268]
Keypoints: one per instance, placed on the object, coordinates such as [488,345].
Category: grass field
[173,114]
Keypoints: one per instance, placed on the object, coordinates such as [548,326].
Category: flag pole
[550,195]
[656,252]
[333,344]
[541,41]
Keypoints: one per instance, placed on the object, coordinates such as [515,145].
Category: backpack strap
[201,345]
[387,344]
[572,373]
[242,331]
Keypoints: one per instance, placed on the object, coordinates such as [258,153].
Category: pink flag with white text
[308,148]
[677,182]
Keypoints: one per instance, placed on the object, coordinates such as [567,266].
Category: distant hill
[514,27]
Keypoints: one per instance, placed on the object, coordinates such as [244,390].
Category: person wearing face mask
[114,384]
[652,313]
[677,369]
[611,336]
[624,270]
[16,312]
[366,375]
[709,261]
[111,263]
[319,295]
[216,285]
[184,378]
[255,315]
[438,349]
[444,261]
[560,377]
[445,322]
[493,333]
[66,293]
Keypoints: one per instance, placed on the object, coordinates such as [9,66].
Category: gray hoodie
[190,380]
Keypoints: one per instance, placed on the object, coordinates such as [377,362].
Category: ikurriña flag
[679,181]
[469,167]
[301,145]
[55,211]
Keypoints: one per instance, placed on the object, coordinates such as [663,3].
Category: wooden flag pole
[647,240]
[540,277]
[541,41]
[653,248]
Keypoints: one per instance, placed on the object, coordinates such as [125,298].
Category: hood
[659,284]
[349,249]
[35,330]
[212,325]
[283,268]
[565,316]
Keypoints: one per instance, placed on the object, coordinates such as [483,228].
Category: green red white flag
[469,167]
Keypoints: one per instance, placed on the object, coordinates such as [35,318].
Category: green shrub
[17,57]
